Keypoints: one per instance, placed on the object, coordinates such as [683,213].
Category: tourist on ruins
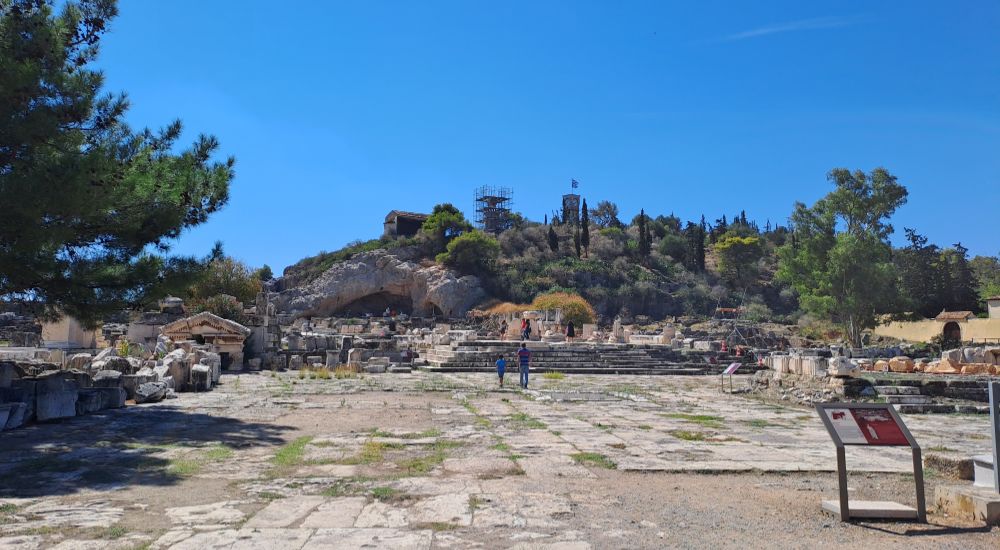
[503,329]
[501,368]
[524,360]
[526,330]
[570,331]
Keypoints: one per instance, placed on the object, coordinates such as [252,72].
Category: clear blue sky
[338,112]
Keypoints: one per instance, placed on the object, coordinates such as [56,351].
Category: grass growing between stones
[594,459]
[689,435]
[423,464]
[475,502]
[644,427]
[116,532]
[759,423]
[941,449]
[432,432]
[291,454]
[522,421]
[705,420]
[553,375]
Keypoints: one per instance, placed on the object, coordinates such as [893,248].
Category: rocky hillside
[369,282]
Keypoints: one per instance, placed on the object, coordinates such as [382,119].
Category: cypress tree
[585,229]
[553,239]
[644,237]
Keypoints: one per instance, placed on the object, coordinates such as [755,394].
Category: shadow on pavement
[152,445]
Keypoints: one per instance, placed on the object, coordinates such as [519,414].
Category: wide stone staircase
[937,394]
[481,356]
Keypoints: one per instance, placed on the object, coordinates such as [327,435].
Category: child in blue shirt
[501,367]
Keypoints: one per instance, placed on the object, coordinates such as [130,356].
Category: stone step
[897,390]
[908,399]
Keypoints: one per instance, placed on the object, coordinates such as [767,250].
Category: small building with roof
[223,336]
[403,224]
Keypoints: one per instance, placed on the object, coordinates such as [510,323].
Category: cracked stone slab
[350,539]
[451,508]
[285,512]
[521,509]
[22,542]
[207,515]
[246,539]
[335,513]
[380,514]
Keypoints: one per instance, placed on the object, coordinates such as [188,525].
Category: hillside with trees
[831,264]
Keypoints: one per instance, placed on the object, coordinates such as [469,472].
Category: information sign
[731,369]
[874,425]
[866,426]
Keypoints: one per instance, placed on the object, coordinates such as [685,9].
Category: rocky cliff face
[371,281]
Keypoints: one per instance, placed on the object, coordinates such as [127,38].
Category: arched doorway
[952,332]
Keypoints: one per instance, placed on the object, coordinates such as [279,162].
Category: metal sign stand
[918,468]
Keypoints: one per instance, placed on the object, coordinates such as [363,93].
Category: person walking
[503,329]
[524,361]
[527,330]
[570,331]
[501,368]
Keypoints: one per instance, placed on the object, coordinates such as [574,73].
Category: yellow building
[956,325]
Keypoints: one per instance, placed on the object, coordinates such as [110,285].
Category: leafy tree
[674,246]
[226,276]
[223,305]
[963,283]
[574,307]
[738,257]
[606,214]
[553,239]
[472,253]
[921,277]
[585,230]
[444,224]
[694,256]
[846,276]
[264,273]
[986,270]
[91,206]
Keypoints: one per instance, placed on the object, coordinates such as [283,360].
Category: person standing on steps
[501,368]
[570,331]
[524,361]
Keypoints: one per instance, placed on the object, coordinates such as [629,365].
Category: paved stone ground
[450,461]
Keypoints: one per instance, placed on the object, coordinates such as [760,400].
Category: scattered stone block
[969,503]
[201,377]
[108,379]
[55,396]
[901,363]
[15,415]
[150,392]
[131,383]
[79,361]
[959,469]
[8,373]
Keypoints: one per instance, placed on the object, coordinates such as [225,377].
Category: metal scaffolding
[493,209]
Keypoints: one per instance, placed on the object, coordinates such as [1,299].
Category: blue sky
[338,112]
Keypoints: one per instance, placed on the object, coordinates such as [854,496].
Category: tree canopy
[847,276]
[91,206]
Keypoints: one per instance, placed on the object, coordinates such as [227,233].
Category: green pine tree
[91,207]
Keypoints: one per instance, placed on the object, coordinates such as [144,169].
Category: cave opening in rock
[376,304]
